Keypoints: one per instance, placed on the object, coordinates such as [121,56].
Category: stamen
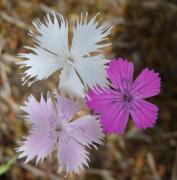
[71,59]
[58,128]
[127,97]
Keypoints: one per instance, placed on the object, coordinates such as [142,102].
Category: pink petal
[120,73]
[72,155]
[40,144]
[42,139]
[144,114]
[115,119]
[87,130]
[113,111]
[67,108]
[100,99]
[37,111]
[146,85]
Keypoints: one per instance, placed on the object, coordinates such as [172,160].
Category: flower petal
[144,114]
[70,83]
[92,71]
[99,99]
[115,119]
[87,35]
[113,111]
[72,155]
[67,108]
[52,34]
[39,144]
[120,73]
[42,139]
[51,50]
[87,130]
[41,64]
[146,85]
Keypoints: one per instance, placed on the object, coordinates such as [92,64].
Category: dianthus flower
[125,97]
[54,127]
[82,65]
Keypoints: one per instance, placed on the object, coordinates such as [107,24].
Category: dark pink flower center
[127,97]
[58,128]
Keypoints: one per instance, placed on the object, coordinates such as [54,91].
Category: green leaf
[5,167]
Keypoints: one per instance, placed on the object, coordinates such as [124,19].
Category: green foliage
[5,167]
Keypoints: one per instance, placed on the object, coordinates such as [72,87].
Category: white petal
[53,34]
[51,50]
[41,64]
[87,35]
[70,83]
[92,71]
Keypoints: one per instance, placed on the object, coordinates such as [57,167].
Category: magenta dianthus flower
[125,97]
[53,127]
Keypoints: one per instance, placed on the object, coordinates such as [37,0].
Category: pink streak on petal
[146,85]
[67,108]
[120,72]
[144,114]
[87,130]
[72,155]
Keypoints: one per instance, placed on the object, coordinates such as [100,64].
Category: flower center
[127,97]
[70,60]
[58,128]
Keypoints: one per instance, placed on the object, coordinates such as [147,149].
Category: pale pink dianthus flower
[53,127]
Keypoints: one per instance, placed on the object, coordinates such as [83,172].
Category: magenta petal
[87,130]
[113,111]
[72,155]
[115,119]
[146,85]
[144,114]
[120,73]
[101,99]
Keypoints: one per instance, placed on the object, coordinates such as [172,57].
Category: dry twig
[152,166]
[45,8]
[15,21]
[174,172]
[105,174]
[39,173]
[9,59]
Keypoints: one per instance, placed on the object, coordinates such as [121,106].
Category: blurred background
[145,32]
